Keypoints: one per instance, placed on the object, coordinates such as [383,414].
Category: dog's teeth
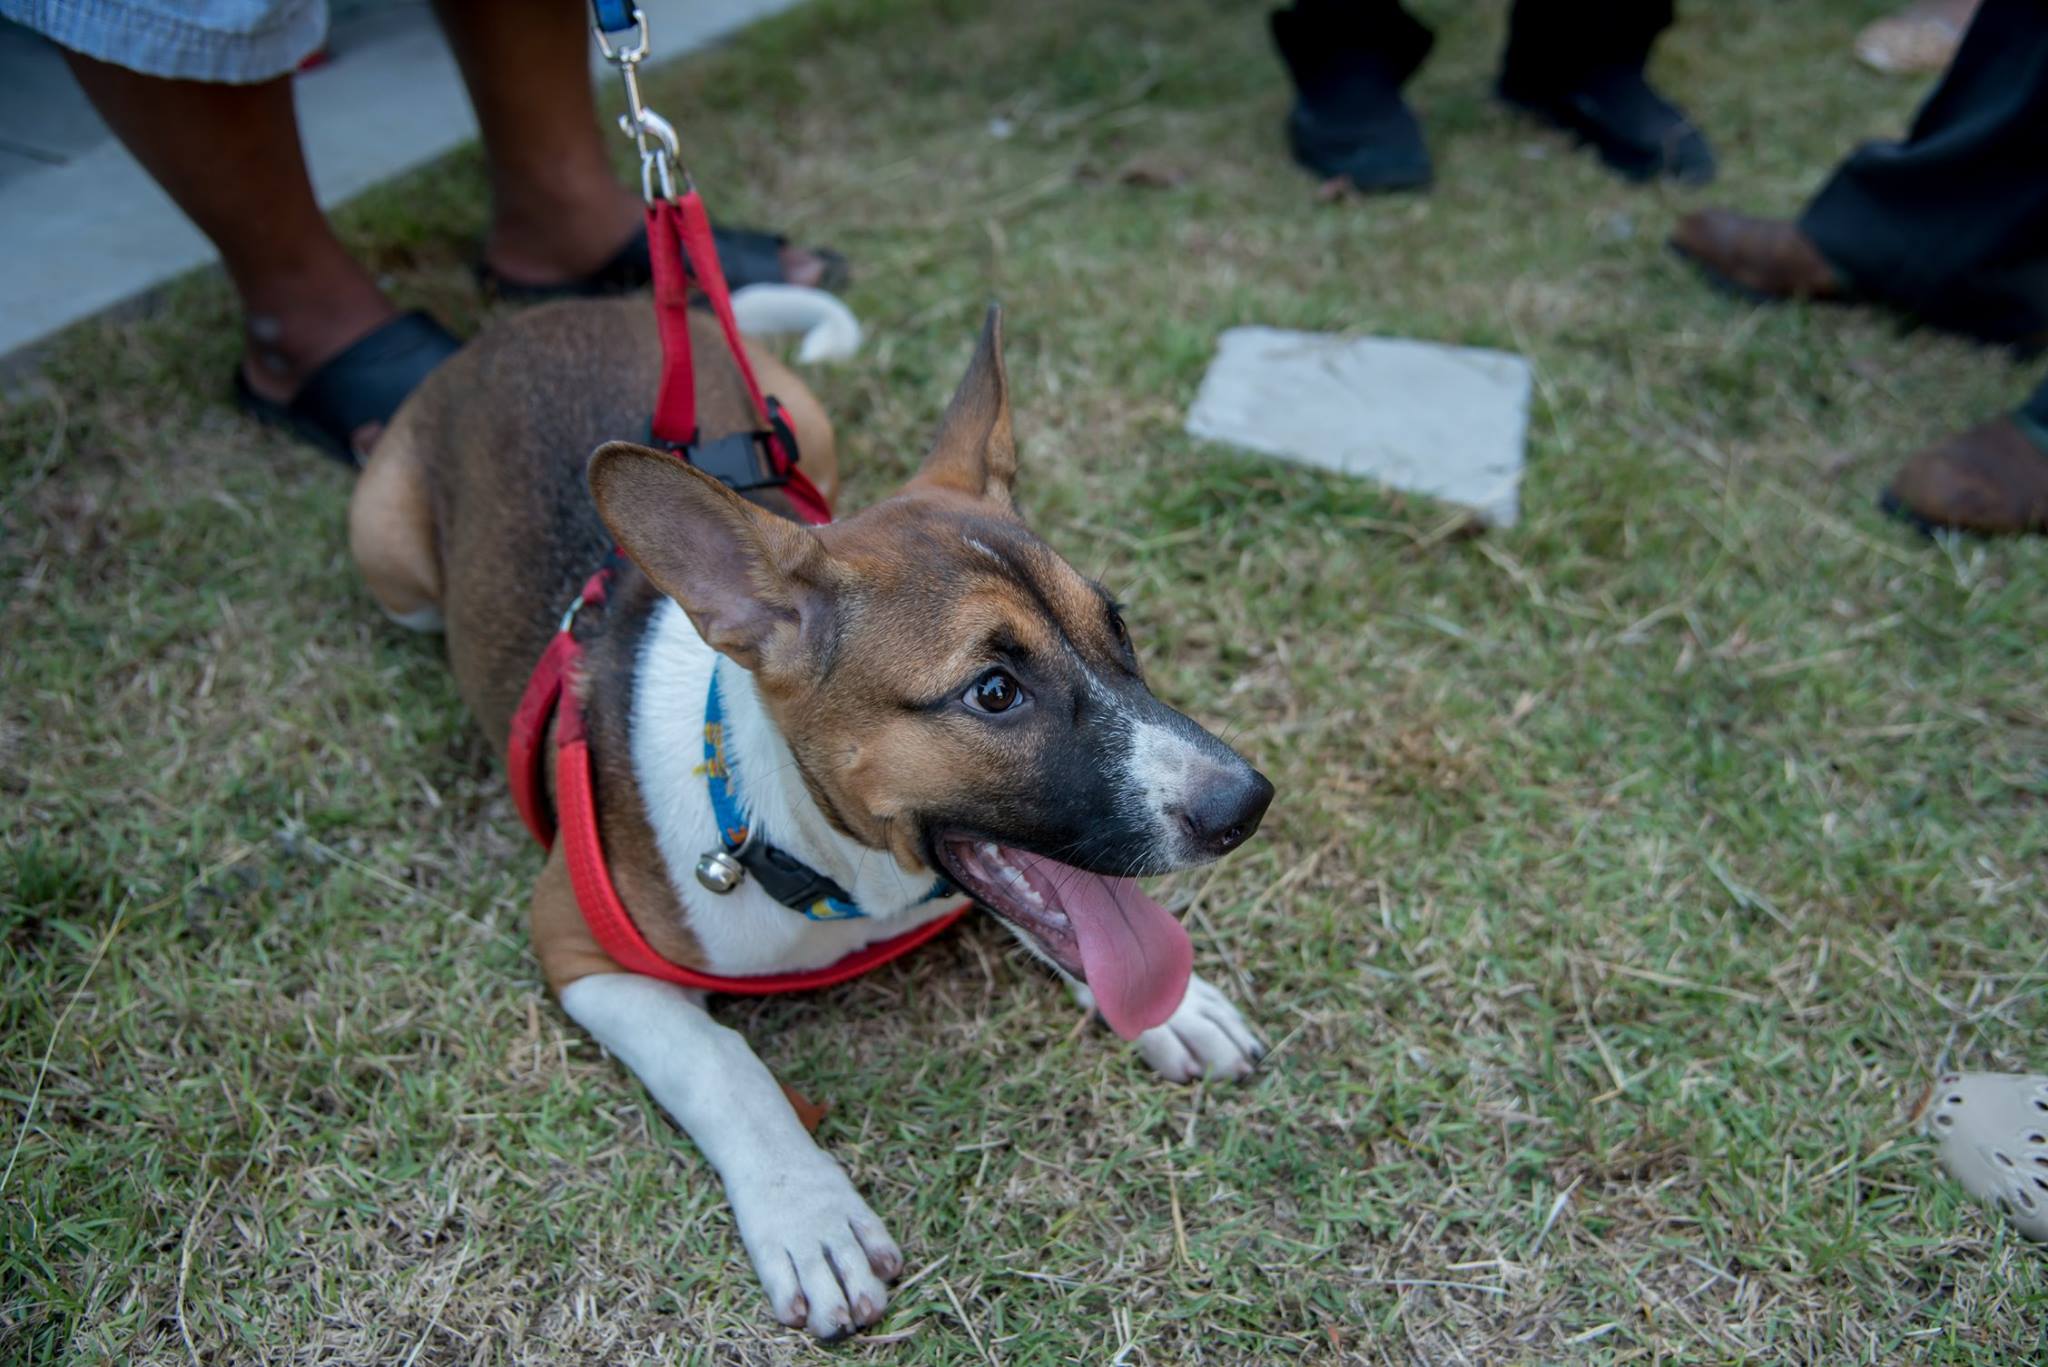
[999,870]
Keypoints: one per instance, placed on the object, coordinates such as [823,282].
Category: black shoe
[1349,121]
[1375,156]
[1381,150]
[1635,130]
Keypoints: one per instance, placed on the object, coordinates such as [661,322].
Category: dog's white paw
[1204,1037]
[823,1257]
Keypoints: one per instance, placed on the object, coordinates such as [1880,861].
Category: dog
[921,694]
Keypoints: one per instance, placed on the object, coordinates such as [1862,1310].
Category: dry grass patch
[1631,869]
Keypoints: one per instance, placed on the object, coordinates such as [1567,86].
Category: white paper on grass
[1446,421]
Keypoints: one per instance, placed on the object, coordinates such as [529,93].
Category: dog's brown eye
[995,691]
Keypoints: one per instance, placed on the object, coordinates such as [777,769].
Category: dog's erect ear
[974,452]
[749,580]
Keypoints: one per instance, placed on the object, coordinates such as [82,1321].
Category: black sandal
[364,384]
[749,256]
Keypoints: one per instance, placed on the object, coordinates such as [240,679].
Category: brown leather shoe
[1992,480]
[1761,258]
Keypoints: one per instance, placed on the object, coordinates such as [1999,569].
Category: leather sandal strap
[369,380]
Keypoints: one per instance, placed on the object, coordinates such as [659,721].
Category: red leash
[680,246]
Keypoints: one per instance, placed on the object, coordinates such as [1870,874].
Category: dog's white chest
[746,931]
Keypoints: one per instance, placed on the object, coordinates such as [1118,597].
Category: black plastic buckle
[744,461]
[788,879]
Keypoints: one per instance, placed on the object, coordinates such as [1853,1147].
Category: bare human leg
[229,156]
[559,211]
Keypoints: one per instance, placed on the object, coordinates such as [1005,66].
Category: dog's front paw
[823,1257]
[1204,1037]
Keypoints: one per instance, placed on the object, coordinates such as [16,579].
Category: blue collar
[782,876]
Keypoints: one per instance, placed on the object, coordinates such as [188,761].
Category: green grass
[1631,870]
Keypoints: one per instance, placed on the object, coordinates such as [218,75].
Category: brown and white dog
[923,688]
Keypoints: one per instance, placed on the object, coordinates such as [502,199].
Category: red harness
[679,242]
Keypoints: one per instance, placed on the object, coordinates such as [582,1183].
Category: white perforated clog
[1992,1129]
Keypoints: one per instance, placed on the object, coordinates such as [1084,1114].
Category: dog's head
[957,694]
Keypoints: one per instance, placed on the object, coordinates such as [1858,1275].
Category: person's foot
[1349,124]
[1760,258]
[1635,130]
[344,405]
[552,234]
[298,327]
[1992,480]
[1376,150]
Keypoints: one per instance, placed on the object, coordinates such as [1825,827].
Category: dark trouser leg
[1554,44]
[1319,37]
[1952,223]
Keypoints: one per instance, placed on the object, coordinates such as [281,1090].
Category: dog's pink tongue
[1135,954]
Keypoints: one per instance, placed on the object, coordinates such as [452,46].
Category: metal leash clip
[661,151]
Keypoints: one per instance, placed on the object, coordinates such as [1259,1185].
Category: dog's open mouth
[1130,951]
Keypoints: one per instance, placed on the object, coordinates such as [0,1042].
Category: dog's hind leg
[391,530]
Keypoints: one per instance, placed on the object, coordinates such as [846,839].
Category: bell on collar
[719,871]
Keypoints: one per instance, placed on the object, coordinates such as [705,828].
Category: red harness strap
[609,921]
[545,689]
[551,693]
[613,927]
[551,696]
[680,247]
[679,241]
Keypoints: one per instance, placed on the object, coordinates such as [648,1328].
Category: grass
[1631,872]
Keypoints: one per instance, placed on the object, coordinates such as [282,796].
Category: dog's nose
[1224,813]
